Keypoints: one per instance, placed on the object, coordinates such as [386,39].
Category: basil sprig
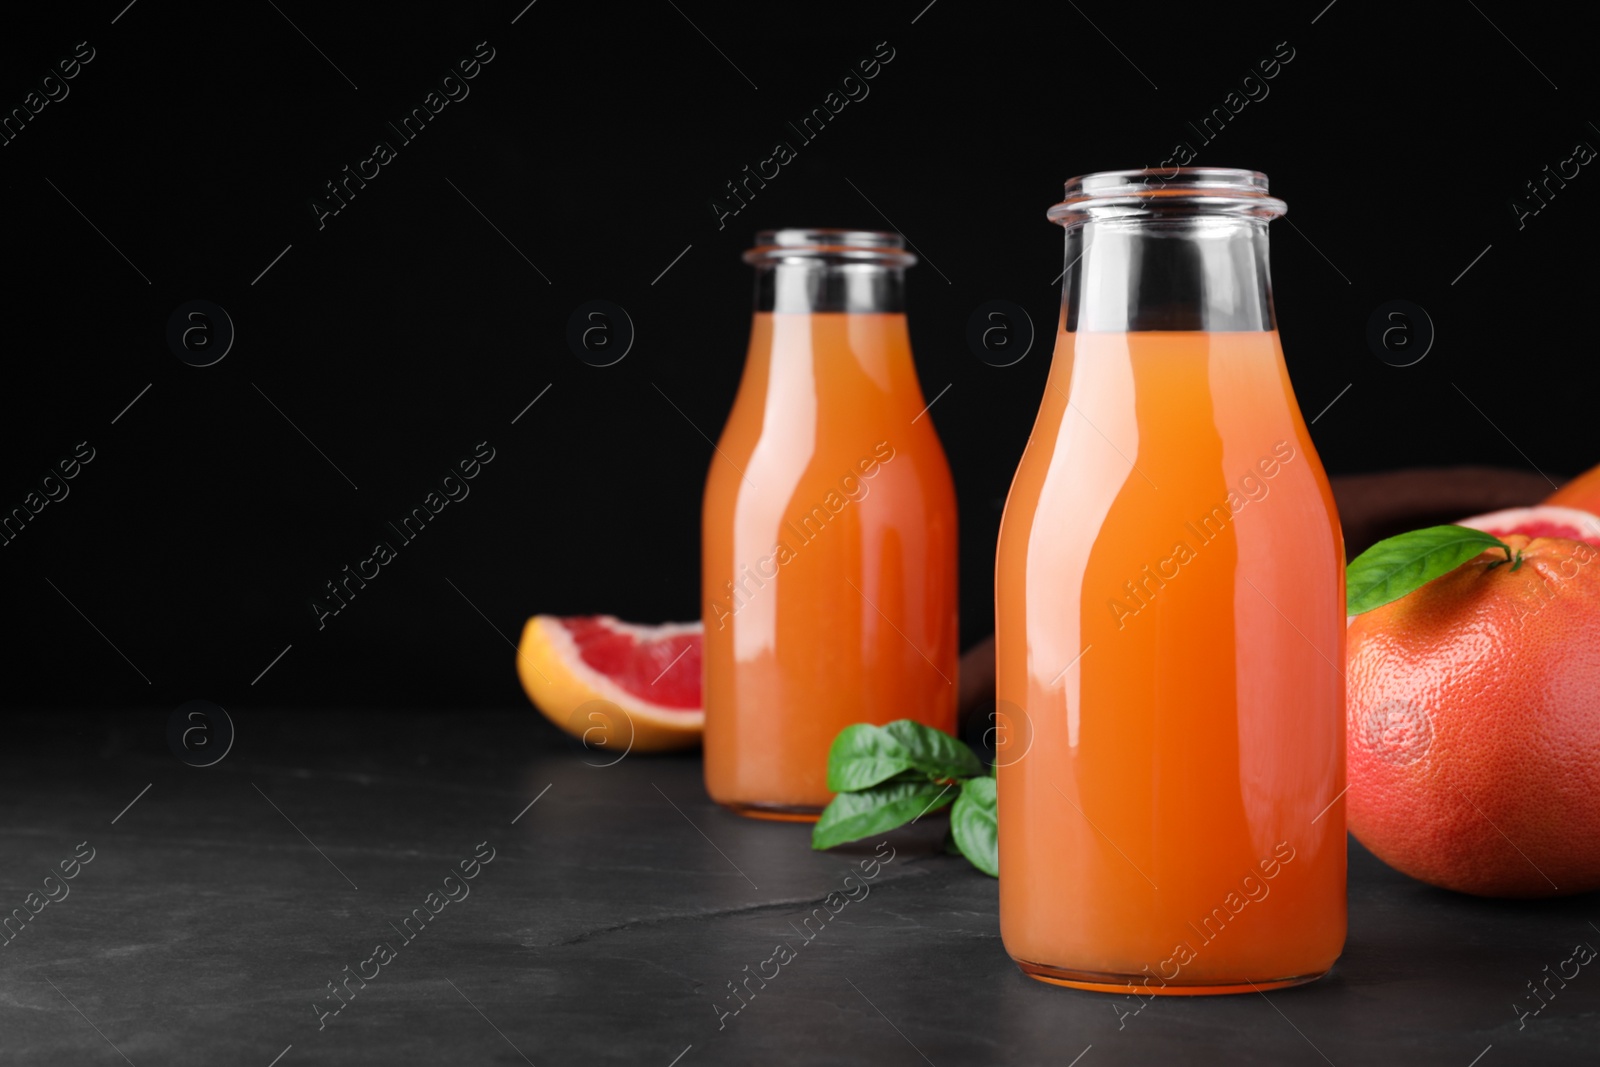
[887,776]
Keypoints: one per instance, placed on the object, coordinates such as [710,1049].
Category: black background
[408,329]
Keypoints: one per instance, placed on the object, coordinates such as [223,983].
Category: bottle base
[1142,984]
[773,812]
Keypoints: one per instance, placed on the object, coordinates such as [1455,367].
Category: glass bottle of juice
[1169,617]
[829,539]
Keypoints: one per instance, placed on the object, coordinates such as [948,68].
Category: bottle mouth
[830,246]
[1167,192]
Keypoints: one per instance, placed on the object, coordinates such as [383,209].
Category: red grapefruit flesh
[1543,521]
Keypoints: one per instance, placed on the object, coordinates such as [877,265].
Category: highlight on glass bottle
[829,528]
[1169,616]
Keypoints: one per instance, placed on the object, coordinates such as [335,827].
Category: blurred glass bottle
[829,538]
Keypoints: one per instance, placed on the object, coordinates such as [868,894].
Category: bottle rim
[820,245]
[1165,192]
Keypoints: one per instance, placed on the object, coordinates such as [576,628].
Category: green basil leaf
[935,751]
[974,826]
[852,816]
[864,755]
[1397,565]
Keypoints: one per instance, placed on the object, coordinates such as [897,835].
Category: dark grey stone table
[615,910]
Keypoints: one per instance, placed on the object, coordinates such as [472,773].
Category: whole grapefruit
[1474,724]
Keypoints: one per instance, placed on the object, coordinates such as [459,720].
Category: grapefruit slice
[616,686]
[1546,520]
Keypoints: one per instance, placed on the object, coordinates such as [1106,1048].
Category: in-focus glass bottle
[1169,617]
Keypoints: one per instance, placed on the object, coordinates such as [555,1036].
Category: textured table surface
[615,910]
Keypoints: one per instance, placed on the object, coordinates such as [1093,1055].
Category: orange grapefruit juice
[829,558]
[1170,635]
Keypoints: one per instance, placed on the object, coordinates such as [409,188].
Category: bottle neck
[817,285]
[1185,273]
[841,371]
